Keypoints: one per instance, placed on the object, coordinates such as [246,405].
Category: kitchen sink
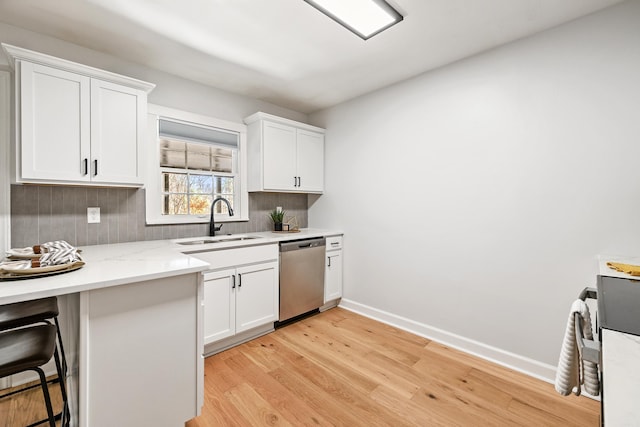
[218,240]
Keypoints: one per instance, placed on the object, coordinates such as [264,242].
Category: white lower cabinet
[220,307]
[241,295]
[236,300]
[333,269]
[256,295]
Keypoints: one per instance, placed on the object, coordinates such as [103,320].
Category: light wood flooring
[338,368]
[27,407]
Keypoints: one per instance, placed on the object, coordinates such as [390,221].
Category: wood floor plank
[28,407]
[371,338]
[347,396]
[281,398]
[320,340]
[254,409]
[339,368]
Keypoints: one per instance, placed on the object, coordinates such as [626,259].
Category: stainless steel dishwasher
[301,277]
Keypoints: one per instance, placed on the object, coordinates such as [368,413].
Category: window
[195,162]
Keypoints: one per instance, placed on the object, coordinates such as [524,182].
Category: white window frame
[153,182]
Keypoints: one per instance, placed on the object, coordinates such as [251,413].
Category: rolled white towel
[573,372]
[58,252]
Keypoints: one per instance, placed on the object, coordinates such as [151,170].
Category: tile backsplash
[41,213]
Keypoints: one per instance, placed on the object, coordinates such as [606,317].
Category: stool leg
[64,359]
[64,413]
[62,374]
[47,398]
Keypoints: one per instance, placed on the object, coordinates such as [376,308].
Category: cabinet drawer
[224,258]
[334,243]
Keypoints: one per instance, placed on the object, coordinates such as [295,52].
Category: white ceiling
[285,51]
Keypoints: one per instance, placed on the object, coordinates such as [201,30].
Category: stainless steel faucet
[212,224]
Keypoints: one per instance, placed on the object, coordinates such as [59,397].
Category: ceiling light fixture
[366,18]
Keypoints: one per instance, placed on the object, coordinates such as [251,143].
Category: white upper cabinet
[279,156]
[118,116]
[77,124]
[310,161]
[55,123]
[284,155]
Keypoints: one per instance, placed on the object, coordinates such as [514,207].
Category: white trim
[264,116]
[533,368]
[152,183]
[15,53]
[83,360]
[195,118]
[5,165]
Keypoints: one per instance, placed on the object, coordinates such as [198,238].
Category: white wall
[170,91]
[475,198]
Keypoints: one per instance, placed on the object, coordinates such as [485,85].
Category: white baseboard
[534,368]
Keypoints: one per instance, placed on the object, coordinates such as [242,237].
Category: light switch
[93,215]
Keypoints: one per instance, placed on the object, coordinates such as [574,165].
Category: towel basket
[588,349]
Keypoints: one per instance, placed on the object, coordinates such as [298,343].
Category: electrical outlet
[93,215]
[279,209]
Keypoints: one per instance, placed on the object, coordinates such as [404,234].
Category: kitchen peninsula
[130,322]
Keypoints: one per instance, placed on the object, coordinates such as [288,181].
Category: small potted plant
[277,217]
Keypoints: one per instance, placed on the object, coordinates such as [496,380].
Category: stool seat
[27,349]
[24,349]
[27,312]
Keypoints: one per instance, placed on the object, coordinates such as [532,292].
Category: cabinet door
[620,378]
[310,161]
[219,305]
[333,276]
[256,296]
[54,124]
[279,151]
[117,114]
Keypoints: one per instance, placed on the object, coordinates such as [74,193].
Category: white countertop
[605,270]
[122,263]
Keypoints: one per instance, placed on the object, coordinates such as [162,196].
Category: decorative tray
[12,270]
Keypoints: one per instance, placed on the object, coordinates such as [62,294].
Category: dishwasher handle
[302,244]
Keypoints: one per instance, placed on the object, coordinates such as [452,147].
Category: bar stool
[27,349]
[26,313]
